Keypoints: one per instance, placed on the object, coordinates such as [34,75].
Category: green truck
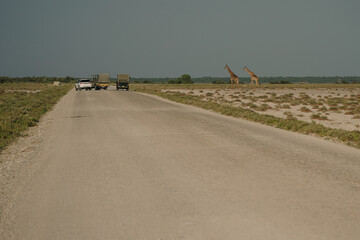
[123,81]
[101,81]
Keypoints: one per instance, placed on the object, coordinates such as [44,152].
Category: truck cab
[123,81]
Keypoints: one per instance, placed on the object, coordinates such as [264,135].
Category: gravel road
[124,165]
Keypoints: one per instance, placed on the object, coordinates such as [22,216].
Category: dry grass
[22,105]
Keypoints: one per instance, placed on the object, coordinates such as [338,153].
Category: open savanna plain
[130,165]
[22,105]
[331,111]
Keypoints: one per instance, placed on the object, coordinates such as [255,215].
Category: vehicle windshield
[86,80]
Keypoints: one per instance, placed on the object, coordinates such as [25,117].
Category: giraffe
[233,77]
[253,77]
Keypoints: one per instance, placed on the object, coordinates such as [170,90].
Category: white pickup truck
[83,84]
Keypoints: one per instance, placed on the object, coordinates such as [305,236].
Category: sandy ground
[334,118]
[124,165]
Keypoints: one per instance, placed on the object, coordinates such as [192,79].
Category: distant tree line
[42,79]
[142,81]
[184,79]
[280,82]
[287,80]
[187,79]
[219,81]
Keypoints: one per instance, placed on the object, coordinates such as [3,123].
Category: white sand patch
[332,107]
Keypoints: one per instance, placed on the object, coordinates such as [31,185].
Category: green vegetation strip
[351,138]
[22,105]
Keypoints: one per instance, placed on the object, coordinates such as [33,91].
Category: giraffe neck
[250,72]
[231,73]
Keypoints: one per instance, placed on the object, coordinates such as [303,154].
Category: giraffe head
[226,66]
[244,68]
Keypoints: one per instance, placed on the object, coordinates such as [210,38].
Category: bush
[184,79]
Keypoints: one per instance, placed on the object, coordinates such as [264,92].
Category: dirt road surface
[124,165]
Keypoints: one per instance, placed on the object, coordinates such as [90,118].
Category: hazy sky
[168,38]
